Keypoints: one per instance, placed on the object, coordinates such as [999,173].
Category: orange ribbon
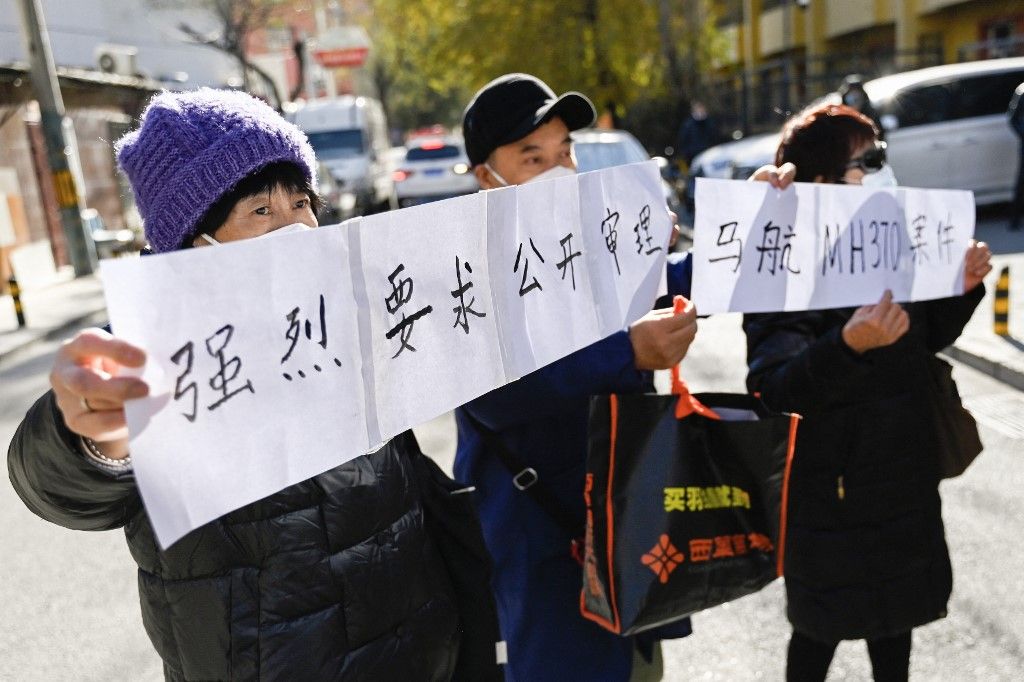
[687,404]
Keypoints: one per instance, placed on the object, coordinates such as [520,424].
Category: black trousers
[809,659]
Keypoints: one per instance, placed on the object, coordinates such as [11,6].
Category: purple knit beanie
[192,148]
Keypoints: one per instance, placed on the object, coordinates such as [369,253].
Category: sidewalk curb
[996,370]
[92,318]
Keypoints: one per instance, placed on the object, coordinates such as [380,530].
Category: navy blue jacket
[542,418]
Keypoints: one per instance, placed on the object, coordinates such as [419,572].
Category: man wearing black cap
[517,131]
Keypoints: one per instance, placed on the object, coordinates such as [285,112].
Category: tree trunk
[673,72]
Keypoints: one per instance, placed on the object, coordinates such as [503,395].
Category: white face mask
[549,174]
[294,227]
[883,177]
[497,176]
[552,173]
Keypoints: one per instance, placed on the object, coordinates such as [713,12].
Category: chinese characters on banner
[814,246]
[274,360]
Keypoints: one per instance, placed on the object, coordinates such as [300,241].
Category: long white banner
[274,360]
[758,249]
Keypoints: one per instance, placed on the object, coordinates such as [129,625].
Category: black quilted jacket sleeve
[798,362]
[947,317]
[56,481]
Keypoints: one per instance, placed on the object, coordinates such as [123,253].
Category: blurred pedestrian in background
[854,95]
[698,132]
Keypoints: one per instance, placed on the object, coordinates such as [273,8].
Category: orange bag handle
[687,404]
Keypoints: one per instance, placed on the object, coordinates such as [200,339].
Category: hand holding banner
[274,360]
[812,246]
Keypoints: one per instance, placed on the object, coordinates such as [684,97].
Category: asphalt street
[70,606]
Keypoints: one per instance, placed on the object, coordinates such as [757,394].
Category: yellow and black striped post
[16,297]
[1001,304]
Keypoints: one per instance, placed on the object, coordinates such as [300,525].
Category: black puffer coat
[865,552]
[331,579]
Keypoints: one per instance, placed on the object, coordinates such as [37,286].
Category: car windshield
[333,144]
[596,155]
[431,152]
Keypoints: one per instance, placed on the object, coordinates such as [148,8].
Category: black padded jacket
[333,578]
[866,554]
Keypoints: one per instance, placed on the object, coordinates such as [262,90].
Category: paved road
[70,607]
[983,637]
[70,604]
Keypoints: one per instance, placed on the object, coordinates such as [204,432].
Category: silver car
[595,149]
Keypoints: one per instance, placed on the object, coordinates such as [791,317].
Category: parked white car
[433,168]
[945,128]
[595,149]
[731,160]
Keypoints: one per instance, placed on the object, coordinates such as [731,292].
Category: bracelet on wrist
[94,452]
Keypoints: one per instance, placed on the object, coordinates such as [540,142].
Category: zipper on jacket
[840,488]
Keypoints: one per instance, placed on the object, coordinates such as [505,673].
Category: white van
[350,135]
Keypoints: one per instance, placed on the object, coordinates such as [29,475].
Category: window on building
[998,35]
[279,38]
[729,13]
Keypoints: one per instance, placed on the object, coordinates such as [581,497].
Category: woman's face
[855,175]
[256,215]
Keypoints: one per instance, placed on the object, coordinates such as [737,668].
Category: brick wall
[16,152]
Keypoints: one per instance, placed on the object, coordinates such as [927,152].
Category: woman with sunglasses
[866,555]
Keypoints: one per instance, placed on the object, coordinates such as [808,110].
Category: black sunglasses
[870,161]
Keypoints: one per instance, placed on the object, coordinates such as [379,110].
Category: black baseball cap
[511,107]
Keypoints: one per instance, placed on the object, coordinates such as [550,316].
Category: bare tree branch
[237,20]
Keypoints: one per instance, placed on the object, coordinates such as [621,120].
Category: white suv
[945,126]
[433,168]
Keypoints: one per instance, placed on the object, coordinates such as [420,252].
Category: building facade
[782,54]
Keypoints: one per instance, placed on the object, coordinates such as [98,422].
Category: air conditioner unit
[117,59]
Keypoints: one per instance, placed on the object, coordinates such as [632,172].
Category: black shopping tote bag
[686,498]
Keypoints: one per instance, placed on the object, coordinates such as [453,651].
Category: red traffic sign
[349,56]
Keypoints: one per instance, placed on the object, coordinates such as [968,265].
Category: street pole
[59,137]
[748,61]
[787,63]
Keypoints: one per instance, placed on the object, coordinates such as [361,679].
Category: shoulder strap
[526,479]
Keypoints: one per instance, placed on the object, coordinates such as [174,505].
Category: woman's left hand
[977,264]
[779,177]
[673,236]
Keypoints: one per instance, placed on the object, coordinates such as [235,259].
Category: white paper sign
[276,359]
[813,246]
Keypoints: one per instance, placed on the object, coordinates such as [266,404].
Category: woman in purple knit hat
[335,578]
